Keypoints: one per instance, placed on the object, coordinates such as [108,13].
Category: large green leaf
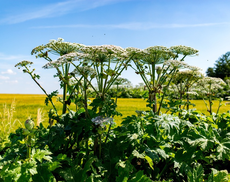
[196,175]
[218,176]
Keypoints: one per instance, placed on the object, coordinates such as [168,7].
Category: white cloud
[5,57]
[135,26]
[4,77]
[57,9]
[12,81]
[9,71]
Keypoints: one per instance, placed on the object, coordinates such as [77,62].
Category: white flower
[67,58]
[210,85]
[212,80]
[175,64]
[192,93]
[157,49]
[184,50]
[106,49]
[58,47]
[99,120]
[135,53]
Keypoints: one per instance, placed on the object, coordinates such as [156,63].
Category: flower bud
[158,69]
[29,124]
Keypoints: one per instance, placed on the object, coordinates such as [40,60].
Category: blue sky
[25,24]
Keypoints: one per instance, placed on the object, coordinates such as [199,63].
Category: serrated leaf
[31,166]
[41,154]
[223,151]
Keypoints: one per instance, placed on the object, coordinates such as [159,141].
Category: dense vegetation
[167,141]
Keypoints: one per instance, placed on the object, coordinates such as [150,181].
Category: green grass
[16,108]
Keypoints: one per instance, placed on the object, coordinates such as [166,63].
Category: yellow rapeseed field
[16,108]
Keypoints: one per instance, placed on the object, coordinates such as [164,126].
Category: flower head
[184,50]
[67,58]
[100,121]
[58,47]
[210,85]
[23,63]
[135,53]
[174,64]
[157,54]
[104,52]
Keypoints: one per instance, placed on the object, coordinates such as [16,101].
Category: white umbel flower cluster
[175,64]
[208,85]
[212,80]
[67,58]
[184,50]
[103,49]
[100,121]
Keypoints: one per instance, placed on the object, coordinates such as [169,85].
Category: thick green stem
[101,79]
[99,146]
[116,94]
[181,94]
[206,105]
[42,90]
[118,74]
[87,148]
[210,104]
[154,97]
[219,106]
[85,99]
[107,136]
[162,98]
[29,147]
[187,100]
[65,89]
[88,81]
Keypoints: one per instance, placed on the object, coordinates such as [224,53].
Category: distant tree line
[221,68]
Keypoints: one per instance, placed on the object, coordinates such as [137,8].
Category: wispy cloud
[4,57]
[11,81]
[9,71]
[4,77]
[134,26]
[57,9]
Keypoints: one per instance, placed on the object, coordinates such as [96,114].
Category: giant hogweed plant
[146,147]
[209,87]
[181,86]
[108,62]
[157,79]
[58,47]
